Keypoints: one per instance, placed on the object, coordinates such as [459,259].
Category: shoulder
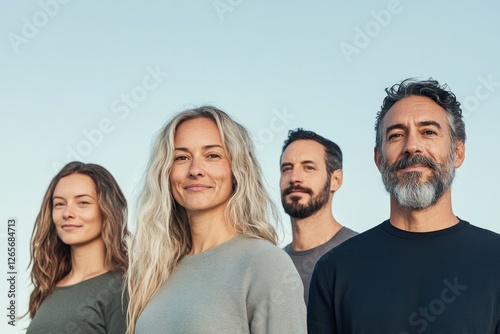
[484,237]
[263,257]
[346,232]
[288,248]
[111,278]
[270,273]
[109,286]
[357,240]
[357,245]
[261,248]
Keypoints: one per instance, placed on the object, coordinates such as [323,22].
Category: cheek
[173,181]
[388,156]
[174,191]
[283,183]
[226,180]
[175,194]
[56,216]
[97,223]
[177,174]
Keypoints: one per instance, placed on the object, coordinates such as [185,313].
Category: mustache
[413,160]
[296,187]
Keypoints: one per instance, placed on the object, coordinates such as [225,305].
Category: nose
[413,144]
[295,176]
[68,212]
[196,167]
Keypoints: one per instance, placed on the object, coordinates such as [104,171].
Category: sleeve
[321,308]
[275,302]
[116,312]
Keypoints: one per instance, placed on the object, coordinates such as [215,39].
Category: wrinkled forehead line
[417,108]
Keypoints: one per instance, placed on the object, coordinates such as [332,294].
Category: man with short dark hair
[311,171]
[424,269]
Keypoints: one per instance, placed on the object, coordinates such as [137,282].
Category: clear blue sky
[95,81]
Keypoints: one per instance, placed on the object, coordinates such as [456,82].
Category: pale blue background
[253,59]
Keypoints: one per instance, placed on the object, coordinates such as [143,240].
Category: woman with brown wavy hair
[79,254]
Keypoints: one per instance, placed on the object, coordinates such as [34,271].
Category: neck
[209,231]
[314,230]
[87,261]
[433,218]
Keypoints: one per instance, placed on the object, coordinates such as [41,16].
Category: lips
[69,227]
[415,166]
[296,190]
[415,161]
[196,187]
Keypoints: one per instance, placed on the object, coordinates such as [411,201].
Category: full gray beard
[412,193]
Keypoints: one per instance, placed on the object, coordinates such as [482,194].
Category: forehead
[199,130]
[415,110]
[75,184]
[304,149]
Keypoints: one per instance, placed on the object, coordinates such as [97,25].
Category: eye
[430,133]
[394,136]
[83,203]
[309,167]
[58,205]
[286,169]
[180,158]
[213,156]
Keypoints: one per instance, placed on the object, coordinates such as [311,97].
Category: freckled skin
[201,177]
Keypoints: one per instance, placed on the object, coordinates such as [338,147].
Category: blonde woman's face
[76,212]
[201,177]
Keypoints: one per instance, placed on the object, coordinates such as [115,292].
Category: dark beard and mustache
[300,211]
[409,190]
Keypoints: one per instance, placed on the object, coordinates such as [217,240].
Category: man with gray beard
[424,269]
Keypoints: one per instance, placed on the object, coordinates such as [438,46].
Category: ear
[459,153]
[377,157]
[336,180]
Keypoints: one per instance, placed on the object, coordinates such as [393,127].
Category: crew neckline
[314,249]
[391,229]
[84,281]
[209,252]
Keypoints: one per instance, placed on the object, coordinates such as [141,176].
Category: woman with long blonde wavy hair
[79,254]
[204,257]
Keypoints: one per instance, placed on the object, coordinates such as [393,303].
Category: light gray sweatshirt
[244,285]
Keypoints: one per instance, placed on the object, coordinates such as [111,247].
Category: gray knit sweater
[244,285]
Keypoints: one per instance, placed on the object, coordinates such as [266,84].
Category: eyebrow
[206,147]
[77,196]
[423,123]
[303,162]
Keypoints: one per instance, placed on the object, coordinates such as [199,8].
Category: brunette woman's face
[75,211]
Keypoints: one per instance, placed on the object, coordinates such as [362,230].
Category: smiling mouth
[69,227]
[414,167]
[196,188]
